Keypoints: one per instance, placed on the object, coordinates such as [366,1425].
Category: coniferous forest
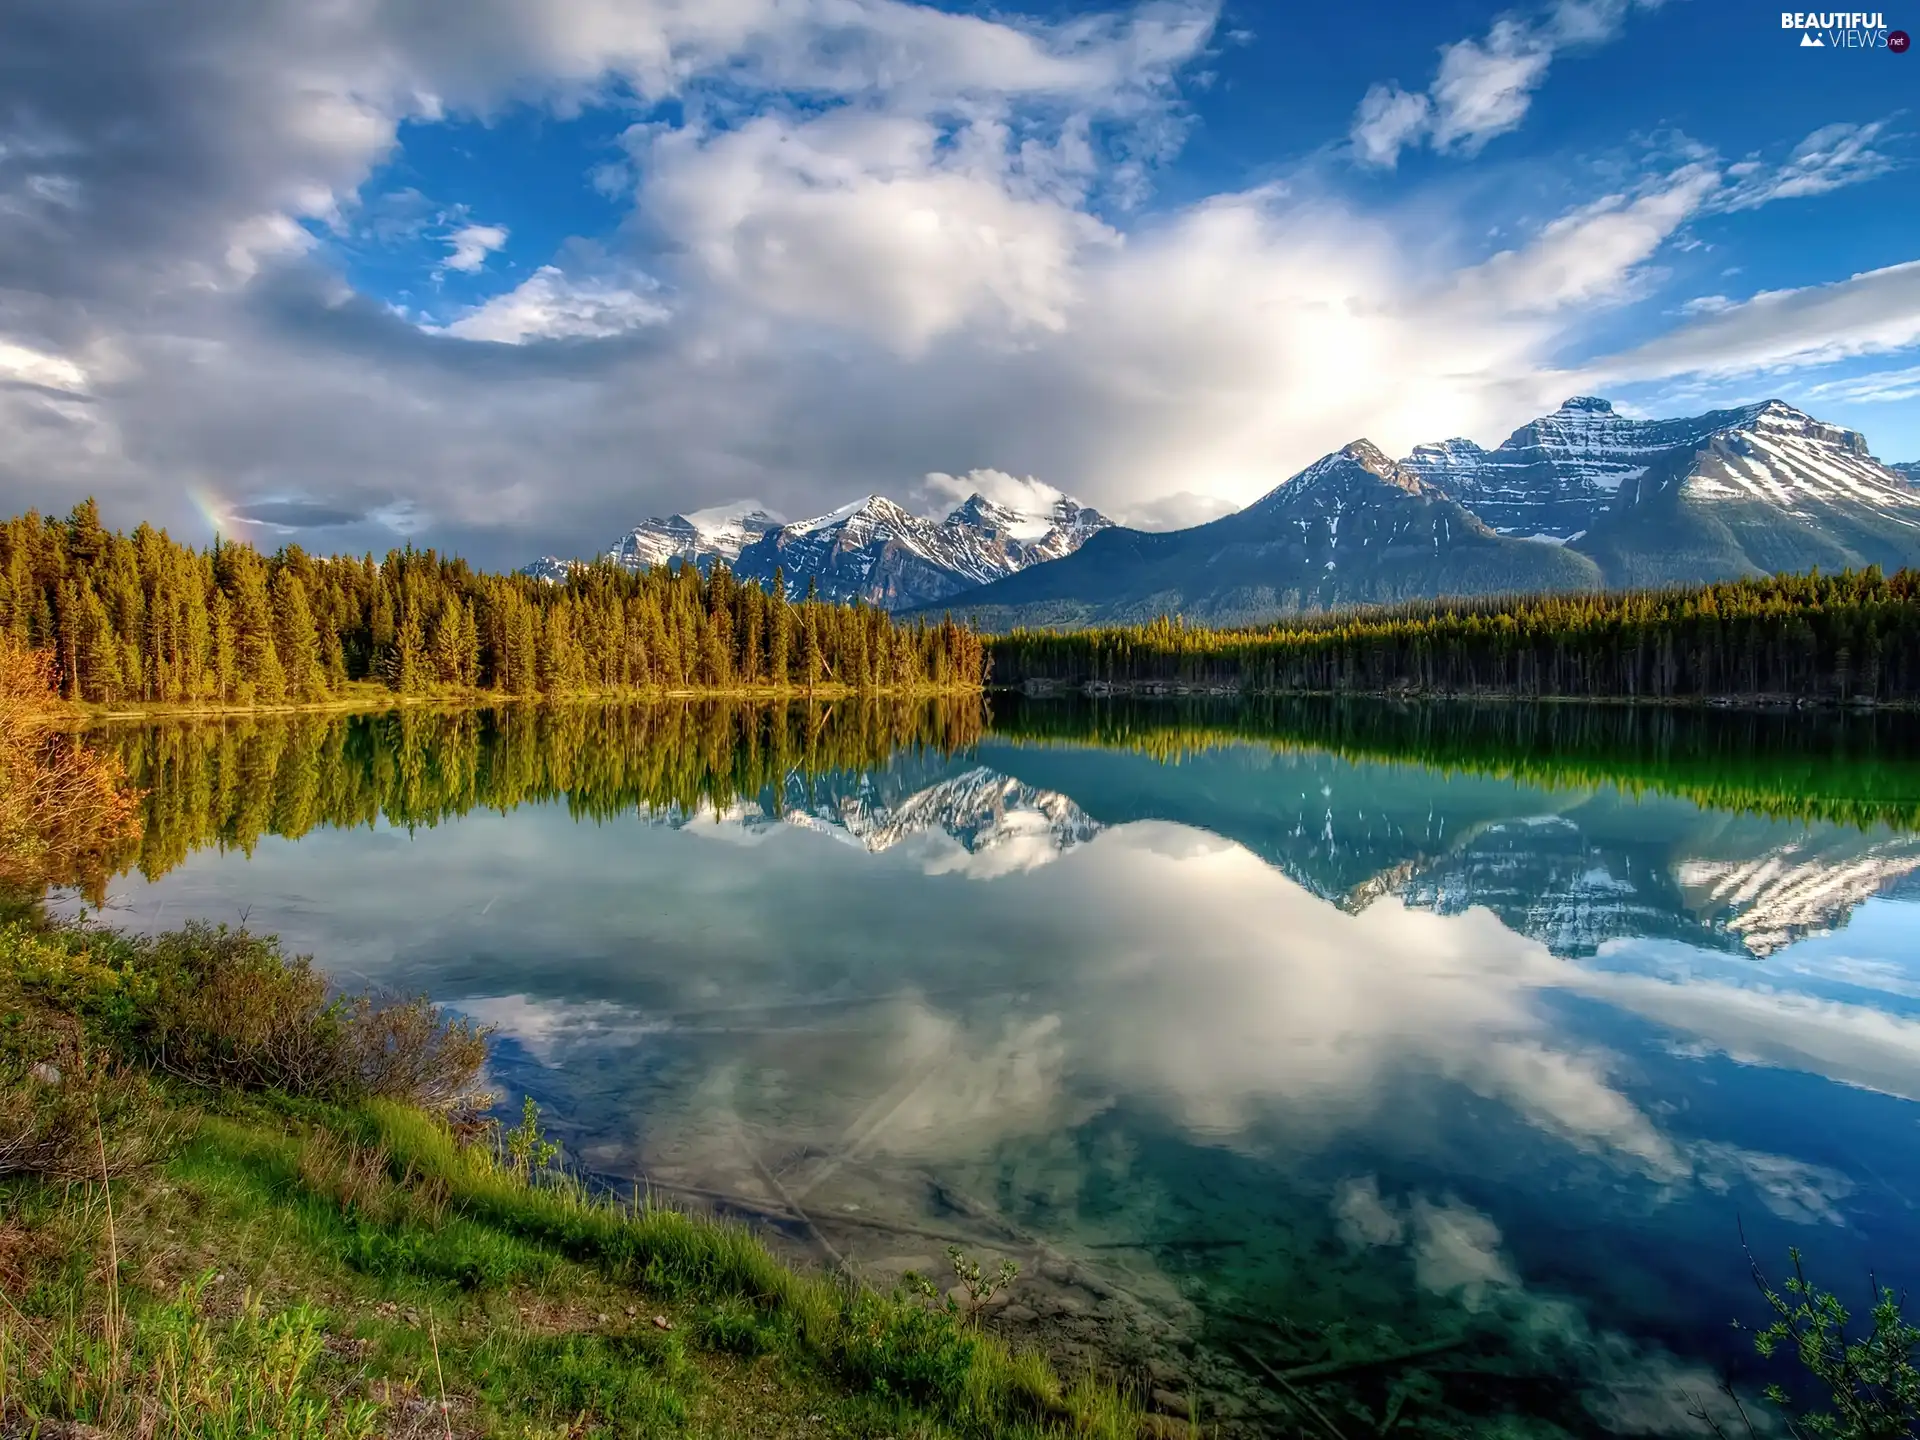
[1853,636]
[143,618]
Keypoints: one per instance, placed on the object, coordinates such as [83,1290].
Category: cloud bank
[864,241]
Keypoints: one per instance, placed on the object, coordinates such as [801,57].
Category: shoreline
[1046,689]
[93,713]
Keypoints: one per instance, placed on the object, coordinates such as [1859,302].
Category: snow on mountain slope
[1908,470]
[550,568]
[1353,528]
[1554,477]
[1755,490]
[875,550]
[1785,457]
[699,537]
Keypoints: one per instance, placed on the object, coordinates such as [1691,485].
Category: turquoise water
[1263,1056]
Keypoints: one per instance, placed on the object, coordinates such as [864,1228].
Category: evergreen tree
[295,639]
[407,661]
[262,680]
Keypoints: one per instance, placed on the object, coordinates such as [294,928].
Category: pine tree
[296,640]
[262,680]
[407,662]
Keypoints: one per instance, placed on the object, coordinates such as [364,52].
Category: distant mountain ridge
[1583,498]
[1580,499]
[872,550]
[699,538]
[876,551]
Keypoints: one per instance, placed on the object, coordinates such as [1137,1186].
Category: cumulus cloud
[550,305]
[1483,87]
[470,245]
[888,225]
[942,492]
[877,241]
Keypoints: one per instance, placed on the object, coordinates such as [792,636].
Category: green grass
[341,1262]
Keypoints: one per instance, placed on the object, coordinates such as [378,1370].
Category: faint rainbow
[212,508]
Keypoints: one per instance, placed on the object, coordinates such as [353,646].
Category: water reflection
[1335,1058]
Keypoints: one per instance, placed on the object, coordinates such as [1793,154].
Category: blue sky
[352,275]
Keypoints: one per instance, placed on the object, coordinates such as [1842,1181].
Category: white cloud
[1389,119]
[1588,255]
[1456,1251]
[1870,313]
[1483,88]
[23,364]
[887,225]
[1030,496]
[1878,387]
[549,305]
[470,245]
[1831,157]
[1795,1190]
[906,264]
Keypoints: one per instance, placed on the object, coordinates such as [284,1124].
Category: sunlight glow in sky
[352,274]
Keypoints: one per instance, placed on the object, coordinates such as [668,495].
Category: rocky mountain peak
[1369,456]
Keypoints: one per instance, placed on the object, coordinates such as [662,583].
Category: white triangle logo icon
[1809,42]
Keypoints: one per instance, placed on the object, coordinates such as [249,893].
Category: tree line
[228,781]
[1844,637]
[142,617]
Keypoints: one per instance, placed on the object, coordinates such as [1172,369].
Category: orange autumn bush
[65,810]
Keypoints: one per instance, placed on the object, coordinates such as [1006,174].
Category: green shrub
[1872,1380]
[220,1007]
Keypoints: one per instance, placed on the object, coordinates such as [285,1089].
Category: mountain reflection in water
[1236,1041]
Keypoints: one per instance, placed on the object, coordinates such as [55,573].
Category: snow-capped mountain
[1753,490]
[1908,470]
[1353,528]
[551,568]
[1769,490]
[875,550]
[1554,477]
[1757,490]
[872,549]
[699,537]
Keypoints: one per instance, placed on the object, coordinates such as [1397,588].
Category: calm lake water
[1435,1056]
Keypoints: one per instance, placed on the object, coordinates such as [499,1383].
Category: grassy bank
[234,1206]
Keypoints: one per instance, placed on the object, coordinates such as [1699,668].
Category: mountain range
[1584,498]
[872,550]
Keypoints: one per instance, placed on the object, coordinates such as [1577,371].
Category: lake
[1438,1057]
